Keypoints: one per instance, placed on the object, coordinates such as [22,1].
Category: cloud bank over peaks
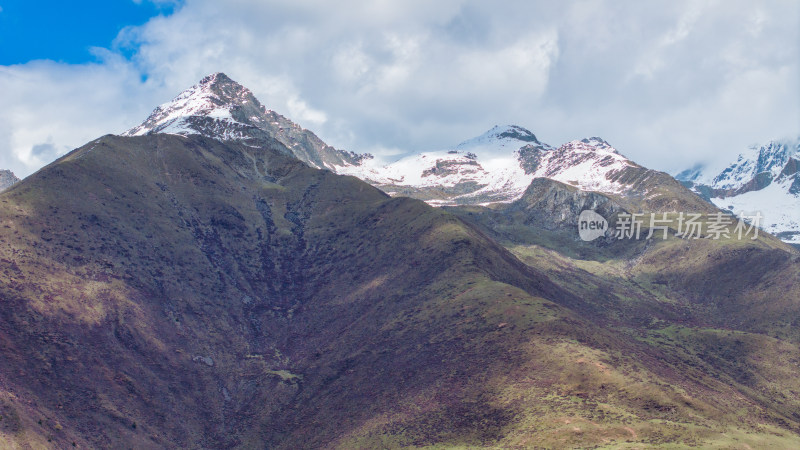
[670,83]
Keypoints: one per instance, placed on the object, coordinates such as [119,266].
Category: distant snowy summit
[223,109]
[497,166]
[763,179]
[7,179]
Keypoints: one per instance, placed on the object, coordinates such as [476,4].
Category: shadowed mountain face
[167,291]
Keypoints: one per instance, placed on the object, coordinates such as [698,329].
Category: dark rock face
[792,170]
[547,213]
[795,188]
[792,167]
[444,168]
[519,133]
[530,157]
[553,205]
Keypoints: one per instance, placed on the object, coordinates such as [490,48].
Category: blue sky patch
[66,31]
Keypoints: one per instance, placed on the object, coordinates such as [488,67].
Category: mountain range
[495,167]
[210,280]
[499,165]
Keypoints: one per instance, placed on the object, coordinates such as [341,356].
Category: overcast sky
[668,83]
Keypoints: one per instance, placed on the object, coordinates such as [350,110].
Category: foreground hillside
[169,291]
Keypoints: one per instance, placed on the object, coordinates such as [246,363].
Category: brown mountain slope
[168,290]
[163,291]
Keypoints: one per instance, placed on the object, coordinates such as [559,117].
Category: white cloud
[757,22]
[50,108]
[350,63]
[656,58]
[299,109]
[658,79]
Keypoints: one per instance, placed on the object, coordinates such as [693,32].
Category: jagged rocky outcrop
[7,179]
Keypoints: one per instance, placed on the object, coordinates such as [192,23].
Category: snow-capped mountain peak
[502,137]
[590,164]
[497,166]
[596,146]
[769,159]
[215,96]
[484,169]
[220,108]
[595,143]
